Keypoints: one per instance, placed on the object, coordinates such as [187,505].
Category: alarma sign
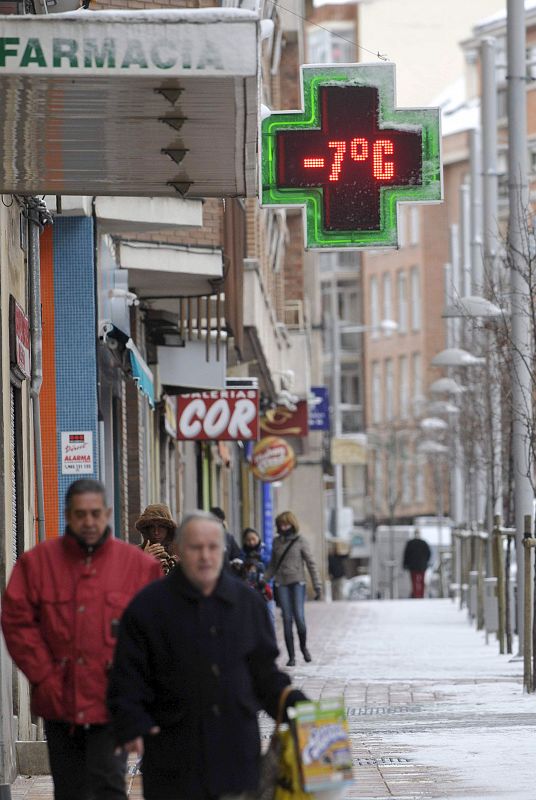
[349,157]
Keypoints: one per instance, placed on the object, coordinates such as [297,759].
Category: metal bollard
[528,543]
[491,616]
[472,604]
[499,571]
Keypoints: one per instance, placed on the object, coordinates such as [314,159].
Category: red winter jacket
[60,614]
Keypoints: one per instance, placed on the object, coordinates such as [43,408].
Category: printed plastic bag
[324,751]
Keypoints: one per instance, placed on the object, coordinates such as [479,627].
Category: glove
[318,594]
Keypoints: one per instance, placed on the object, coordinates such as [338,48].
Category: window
[350,385]
[417,377]
[405,481]
[332,46]
[403,385]
[402,303]
[378,482]
[419,483]
[414,225]
[387,300]
[374,307]
[376,400]
[351,411]
[348,300]
[415,299]
[531,63]
[389,389]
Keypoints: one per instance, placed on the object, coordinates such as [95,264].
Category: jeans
[291,603]
[83,763]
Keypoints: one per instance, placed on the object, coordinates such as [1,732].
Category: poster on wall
[272,459]
[77,453]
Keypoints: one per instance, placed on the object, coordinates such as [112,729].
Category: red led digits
[383,170]
[313,163]
[359,149]
[340,150]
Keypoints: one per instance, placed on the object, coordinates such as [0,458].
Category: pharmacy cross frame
[350,156]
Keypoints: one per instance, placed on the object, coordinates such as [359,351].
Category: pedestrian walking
[195,662]
[416,559]
[253,547]
[337,570]
[232,550]
[157,528]
[290,551]
[60,615]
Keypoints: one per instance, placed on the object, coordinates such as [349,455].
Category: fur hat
[156,514]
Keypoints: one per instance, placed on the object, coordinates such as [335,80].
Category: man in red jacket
[60,615]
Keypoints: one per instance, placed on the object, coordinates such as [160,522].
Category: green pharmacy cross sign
[350,156]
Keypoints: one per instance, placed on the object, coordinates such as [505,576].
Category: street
[433,711]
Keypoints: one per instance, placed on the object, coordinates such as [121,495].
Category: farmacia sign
[91,43]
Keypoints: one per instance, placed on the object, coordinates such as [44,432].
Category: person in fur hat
[157,528]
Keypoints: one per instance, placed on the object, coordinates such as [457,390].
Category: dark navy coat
[200,668]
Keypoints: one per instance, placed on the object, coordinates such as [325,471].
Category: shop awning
[143,377]
[150,103]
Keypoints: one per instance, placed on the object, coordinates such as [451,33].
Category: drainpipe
[38,218]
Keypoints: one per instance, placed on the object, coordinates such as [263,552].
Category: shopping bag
[324,752]
[288,780]
[279,770]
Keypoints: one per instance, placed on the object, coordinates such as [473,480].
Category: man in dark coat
[416,558]
[232,550]
[195,661]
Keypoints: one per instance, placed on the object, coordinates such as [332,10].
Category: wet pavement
[433,711]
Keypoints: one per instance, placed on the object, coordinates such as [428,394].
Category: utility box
[491,605]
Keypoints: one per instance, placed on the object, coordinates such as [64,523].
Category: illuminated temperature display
[359,149]
[349,156]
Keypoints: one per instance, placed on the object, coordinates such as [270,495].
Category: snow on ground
[474,731]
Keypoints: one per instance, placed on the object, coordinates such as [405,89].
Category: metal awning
[130,103]
[158,271]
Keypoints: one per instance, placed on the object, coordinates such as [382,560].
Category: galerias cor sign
[224,414]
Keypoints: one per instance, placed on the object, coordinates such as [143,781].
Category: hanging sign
[77,453]
[280,421]
[272,459]
[222,414]
[19,340]
[319,409]
[350,156]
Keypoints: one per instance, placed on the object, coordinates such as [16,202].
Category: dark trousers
[291,602]
[83,763]
[417,583]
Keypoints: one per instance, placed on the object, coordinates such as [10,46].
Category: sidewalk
[433,711]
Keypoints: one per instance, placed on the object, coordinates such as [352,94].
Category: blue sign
[319,409]
[267,518]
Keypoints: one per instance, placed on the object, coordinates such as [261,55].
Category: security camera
[105,329]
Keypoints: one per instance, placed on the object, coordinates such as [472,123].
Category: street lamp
[474,307]
[456,357]
[446,386]
[442,407]
[385,326]
[433,424]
